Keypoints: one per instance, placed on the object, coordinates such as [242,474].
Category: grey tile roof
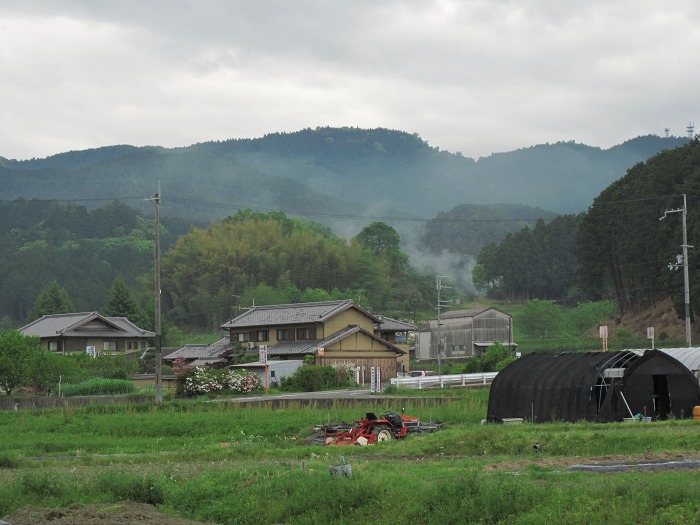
[74,325]
[388,324]
[201,351]
[291,314]
[207,361]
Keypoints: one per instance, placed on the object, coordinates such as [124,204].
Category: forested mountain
[337,181]
[534,263]
[466,229]
[245,259]
[624,250]
[617,249]
[328,174]
[82,250]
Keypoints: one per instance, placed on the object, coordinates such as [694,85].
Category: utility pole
[682,260]
[439,286]
[157,291]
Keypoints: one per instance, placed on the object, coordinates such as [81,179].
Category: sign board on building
[90,350]
[263,354]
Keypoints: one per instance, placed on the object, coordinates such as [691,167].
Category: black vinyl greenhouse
[593,386]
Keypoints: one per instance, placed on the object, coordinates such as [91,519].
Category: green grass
[223,463]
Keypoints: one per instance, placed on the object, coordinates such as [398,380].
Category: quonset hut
[593,386]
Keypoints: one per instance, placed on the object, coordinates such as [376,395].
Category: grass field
[221,463]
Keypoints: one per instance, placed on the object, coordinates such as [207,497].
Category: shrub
[313,378]
[99,387]
[196,381]
[345,374]
[201,381]
[241,381]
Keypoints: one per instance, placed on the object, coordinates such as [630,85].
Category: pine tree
[53,299]
[122,302]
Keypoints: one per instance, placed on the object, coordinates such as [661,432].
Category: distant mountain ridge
[326,173]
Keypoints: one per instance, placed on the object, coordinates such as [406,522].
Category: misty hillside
[326,174]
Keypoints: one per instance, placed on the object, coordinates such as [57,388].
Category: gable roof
[290,314]
[76,325]
[202,354]
[312,347]
[387,324]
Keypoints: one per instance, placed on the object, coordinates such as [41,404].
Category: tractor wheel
[382,435]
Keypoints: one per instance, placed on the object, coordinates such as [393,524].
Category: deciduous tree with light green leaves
[17,352]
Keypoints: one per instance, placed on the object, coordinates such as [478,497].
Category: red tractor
[373,429]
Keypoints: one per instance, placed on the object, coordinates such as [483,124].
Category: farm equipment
[373,429]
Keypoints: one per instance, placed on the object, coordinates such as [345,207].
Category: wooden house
[88,332]
[332,332]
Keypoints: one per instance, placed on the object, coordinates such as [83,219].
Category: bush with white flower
[202,381]
[241,381]
[345,373]
[197,381]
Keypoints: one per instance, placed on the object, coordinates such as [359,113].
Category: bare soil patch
[98,514]
[666,323]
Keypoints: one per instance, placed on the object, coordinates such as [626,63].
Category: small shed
[593,386]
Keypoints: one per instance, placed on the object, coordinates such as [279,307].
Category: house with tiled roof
[396,332]
[88,332]
[333,332]
[210,355]
[464,333]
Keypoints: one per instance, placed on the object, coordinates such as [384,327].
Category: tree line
[618,249]
[64,258]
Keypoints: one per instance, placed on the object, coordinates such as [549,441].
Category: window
[459,350]
[263,335]
[284,335]
[243,338]
[53,346]
[109,346]
[306,333]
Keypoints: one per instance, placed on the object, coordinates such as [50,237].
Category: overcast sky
[476,76]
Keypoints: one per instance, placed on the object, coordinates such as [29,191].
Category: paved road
[326,394]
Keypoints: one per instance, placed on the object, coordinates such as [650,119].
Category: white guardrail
[421,382]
